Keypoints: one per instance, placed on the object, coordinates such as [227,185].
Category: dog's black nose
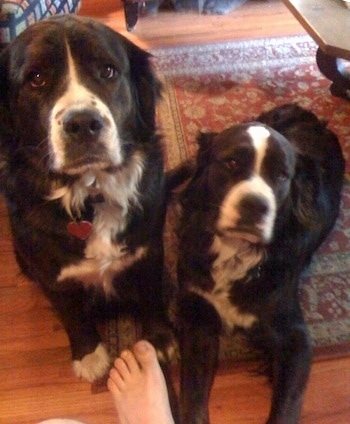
[84,125]
[252,208]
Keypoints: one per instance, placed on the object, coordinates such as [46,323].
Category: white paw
[170,354]
[93,366]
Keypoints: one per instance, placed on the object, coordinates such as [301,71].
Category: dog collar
[253,274]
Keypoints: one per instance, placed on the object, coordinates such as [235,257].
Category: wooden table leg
[330,67]
[131,10]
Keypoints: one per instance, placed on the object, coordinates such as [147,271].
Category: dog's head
[248,170]
[75,96]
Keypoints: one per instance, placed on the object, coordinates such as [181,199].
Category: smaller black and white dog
[263,197]
[81,169]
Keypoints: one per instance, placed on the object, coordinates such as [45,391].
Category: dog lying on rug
[263,197]
[82,173]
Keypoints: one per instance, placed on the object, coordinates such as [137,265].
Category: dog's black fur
[303,167]
[58,166]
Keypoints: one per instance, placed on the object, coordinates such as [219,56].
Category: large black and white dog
[263,197]
[82,173]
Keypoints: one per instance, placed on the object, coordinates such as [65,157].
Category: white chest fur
[233,261]
[103,257]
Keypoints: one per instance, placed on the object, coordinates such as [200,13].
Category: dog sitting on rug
[262,198]
[81,169]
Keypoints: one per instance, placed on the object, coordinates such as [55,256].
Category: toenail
[125,353]
[142,346]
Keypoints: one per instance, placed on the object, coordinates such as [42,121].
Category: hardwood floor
[256,19]
[36,381]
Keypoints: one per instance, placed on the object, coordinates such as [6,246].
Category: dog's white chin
[251,238]
[87,168]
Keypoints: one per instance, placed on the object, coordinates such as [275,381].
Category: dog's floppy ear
[190,168]
[6,124]
[305,189]
[205,142]
[5,116]
[147,88]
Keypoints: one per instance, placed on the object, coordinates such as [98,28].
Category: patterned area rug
[208,88]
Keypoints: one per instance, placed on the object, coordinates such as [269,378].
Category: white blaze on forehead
[255,185]
[259,136]
[76,98]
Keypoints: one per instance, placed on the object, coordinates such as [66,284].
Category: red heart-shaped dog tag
[80,229]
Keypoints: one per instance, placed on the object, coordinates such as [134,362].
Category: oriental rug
[210,87]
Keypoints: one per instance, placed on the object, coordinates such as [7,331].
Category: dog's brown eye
[232,164]
[37,79]
[107,72]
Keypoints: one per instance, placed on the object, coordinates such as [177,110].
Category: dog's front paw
[94,365]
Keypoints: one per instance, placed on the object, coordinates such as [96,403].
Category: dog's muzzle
[83,126]
[252,209]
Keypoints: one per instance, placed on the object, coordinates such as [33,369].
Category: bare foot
[138,387]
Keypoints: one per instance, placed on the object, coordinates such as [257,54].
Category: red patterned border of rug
[208,88]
